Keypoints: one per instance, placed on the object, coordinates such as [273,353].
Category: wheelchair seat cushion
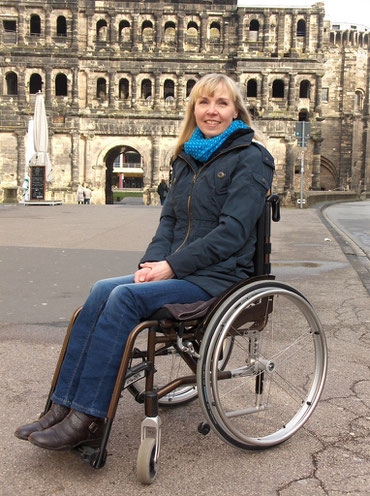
[184,311]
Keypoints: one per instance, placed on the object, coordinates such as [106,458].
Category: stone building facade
[116,75]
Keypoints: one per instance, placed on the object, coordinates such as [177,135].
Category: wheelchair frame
[207,346]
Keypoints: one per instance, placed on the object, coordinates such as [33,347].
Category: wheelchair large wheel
[275,372]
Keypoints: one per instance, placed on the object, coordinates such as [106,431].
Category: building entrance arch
[123,171]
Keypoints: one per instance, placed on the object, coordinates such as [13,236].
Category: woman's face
[214,114]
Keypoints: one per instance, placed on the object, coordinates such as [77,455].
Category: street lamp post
[302,129]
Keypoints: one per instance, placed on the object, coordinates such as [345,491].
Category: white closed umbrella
[30,151]
[41,137]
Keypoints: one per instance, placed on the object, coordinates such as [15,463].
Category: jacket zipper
[195,177]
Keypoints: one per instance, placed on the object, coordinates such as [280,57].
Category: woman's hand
[154,271]
[141,275]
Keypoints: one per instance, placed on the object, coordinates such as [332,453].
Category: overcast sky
[353,11]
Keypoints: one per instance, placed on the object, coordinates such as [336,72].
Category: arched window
[102,30]
[61,85]
[169,32]
[303,115]
[338,39]
[61,26]
[192,30]
[35,83]
[189,86]
[252,88]
[301,28]
[215,32]
[169,90]
[11,83]
[124,30]
[278,88]
[35,25]
[359,100]
[123,89]
[101,88]
[146,89]
[147,31]
[304,89]
[254,25]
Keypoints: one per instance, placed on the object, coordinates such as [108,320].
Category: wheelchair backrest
[261,259]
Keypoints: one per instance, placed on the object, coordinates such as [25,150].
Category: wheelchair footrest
[136,373]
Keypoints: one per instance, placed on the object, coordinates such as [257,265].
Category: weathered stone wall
[117,74]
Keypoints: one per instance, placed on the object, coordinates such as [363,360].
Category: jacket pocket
[261,180]
[222,180]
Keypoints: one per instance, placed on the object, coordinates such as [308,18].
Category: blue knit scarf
[202,148]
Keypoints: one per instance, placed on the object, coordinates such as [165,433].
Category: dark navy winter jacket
[207,226]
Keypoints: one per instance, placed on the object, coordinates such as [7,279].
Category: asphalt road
[50,256]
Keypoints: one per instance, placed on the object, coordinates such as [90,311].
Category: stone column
[22,89]
[240,32]
[290,164]
[48,87]
[280,34]
[21,26]
[318,94]
[48,26]
[293,33]
[203,32]
[266,33]
[155,160]
[111,88]
[74,31]
[21,156]
[133,90]
[74,159]
[159,32]
[157,91]
[75,86]
[307,37]
[320,31]
[264,92]
[180,33]
[135,33]
[316,163]
[91,32]
[292,93]
[180,91]
[113,35]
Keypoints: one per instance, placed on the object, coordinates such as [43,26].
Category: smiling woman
[205,243]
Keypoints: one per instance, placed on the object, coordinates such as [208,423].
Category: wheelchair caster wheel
[204,428]
[94,459]
[146,464]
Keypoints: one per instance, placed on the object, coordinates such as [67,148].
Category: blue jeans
[98,337]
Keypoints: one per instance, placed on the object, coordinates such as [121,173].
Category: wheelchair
[256,358]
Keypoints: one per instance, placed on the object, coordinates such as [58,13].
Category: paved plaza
[50,256]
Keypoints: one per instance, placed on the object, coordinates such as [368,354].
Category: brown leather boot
[77,428]
[52,417]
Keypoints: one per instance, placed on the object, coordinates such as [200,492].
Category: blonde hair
[207,85]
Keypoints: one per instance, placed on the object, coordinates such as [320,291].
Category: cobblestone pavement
[49,257]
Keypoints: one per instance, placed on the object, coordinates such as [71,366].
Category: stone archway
[123,170]
[328,175]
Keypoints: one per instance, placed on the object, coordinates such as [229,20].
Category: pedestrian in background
[80,195]
[87,195]
[162,190]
